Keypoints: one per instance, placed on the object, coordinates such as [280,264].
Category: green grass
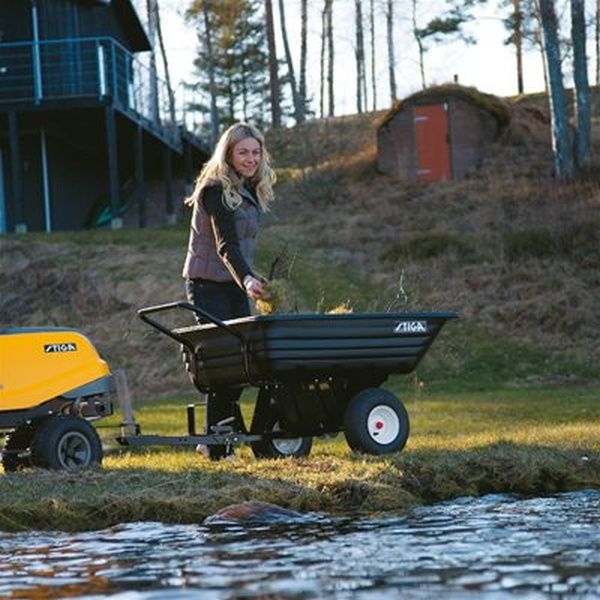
[465,357]
[488,414]
[560,417]
[174,236]
[316,285]
[528,441]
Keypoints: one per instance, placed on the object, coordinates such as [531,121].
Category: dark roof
[127,14]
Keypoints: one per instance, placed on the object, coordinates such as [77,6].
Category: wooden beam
[139,176]
[168,176]
[188,166]
[113,166]
[16,165]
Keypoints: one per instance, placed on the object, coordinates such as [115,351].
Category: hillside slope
[517,254]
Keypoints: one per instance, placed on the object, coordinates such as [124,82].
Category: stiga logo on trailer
[411,327]
[67,347]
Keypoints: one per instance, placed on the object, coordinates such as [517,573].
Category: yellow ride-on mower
[52,384]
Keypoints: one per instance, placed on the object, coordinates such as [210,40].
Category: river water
[496,546]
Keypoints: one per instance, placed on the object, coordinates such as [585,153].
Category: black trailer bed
[316,374]
[280,347]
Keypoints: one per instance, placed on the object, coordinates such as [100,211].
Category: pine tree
[233,54]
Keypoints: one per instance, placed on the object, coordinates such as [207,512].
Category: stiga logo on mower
[67,347]
[411,327]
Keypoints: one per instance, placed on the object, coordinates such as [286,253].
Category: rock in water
[253,511]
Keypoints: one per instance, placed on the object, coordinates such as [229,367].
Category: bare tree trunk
[323,46]
[582,141]
[518,41]
[165,61]
[244,96]
[231,99]
[598,42]
[330,53]
[244,72]
[360,59]
[540,45]
[303,51]
[153,100]
[298,104]
[563,152]
[273,75]
[364,73]
[419,44]
[214,115]
[391,54]
[373,74]
[544,68]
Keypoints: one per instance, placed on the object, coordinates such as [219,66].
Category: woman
[233,188]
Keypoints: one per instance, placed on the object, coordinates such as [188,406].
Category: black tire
[280,447]
[66,443]
[16,455]
[376,422]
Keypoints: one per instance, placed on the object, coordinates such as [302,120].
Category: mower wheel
[66,443]
[376,422]
[16,455]
[280,447]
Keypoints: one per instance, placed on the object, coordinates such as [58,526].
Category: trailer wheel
[280,447]
[66,443]
[376,422]
[16,455]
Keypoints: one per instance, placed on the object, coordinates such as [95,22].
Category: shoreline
[181,487]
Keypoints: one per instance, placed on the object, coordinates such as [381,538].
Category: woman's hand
[255,288]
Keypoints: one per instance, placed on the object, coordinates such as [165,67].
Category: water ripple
[495,547]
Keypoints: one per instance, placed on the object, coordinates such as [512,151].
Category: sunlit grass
[565,418]
[527,441]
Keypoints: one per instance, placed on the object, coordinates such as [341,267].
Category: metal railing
[94,68]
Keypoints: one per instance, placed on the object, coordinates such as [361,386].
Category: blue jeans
[224,301]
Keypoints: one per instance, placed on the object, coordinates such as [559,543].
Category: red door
[433,147]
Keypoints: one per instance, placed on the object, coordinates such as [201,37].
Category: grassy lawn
[489,413]
[528,441]
[558,417]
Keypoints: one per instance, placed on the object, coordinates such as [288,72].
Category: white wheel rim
[383,424]
[286,446]
[74,451]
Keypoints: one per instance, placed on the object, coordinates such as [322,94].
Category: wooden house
[438,134]
[83,121]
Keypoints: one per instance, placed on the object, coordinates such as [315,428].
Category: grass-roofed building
[439,133]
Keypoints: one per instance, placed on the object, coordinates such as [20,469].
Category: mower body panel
[38,365]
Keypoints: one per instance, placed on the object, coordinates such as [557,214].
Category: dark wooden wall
[60,19]
[471,129]
[396,146]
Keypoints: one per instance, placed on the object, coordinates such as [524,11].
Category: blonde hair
[219,170]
